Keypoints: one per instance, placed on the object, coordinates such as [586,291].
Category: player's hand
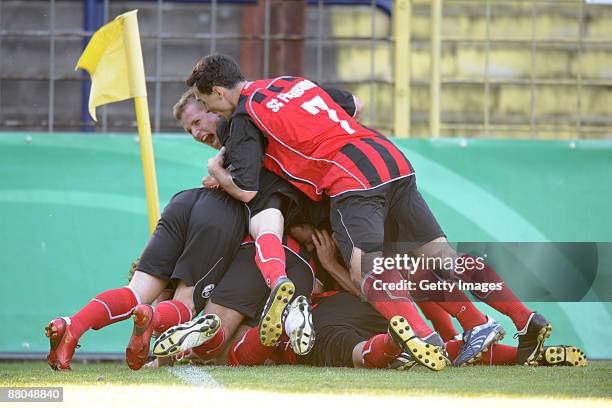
[216,162]
[210,182]
[326,248]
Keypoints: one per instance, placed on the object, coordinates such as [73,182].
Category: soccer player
[351,333]
[240,296]
[292,127]
[268,218]
[331,161]
[197,235]
[196,238]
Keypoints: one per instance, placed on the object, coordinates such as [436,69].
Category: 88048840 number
[31,394]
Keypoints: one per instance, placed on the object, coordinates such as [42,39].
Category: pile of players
[276,250]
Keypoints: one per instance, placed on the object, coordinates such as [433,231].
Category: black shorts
[197,236]
[275,192]
[341,321]
[394,212]
[244,289]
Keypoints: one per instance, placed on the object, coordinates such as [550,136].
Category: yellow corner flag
[113,59]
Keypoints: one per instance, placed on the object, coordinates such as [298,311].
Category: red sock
[408,311]
[394,303]
[439,318]
[452,348]
[465,312]
[248,351]
[284,354]
[379,351]
[170,313]
[270,257]
[106,308]
[504,301]
[212,347]
[497,354]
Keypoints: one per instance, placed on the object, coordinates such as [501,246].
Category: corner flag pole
[136,77]
[113,59]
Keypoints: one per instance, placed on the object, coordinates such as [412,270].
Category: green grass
[593,381]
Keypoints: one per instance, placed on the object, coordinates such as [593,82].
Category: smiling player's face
[201,125]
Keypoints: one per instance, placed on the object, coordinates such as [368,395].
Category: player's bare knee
[184,294]
[147,287]
[270,220]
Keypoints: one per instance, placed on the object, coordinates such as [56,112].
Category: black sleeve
[343,98]
[223,130]
[244,152]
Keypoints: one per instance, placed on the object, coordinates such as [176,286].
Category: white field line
[175,396]
[193,375]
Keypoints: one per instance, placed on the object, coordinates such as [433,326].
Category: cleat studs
[414,350]
[278,325]
[394,323]
[427,361]
[401,331]
[278,297]
[433,364]
[265,325]
[427,353]
[268,318]
[291,292]
[283,289]
[285,301]
[401,319]
[420,356]
[427,346]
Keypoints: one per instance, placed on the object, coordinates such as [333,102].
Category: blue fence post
[93,18]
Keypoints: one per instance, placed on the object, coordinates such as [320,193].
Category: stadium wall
[74,217]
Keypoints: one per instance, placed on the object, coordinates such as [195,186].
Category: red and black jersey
[315,144]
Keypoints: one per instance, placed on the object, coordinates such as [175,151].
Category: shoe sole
[55,335]
[536,355]
[271,323]
[137,351]
[478,356]
[187,335]
[304,339]
[425,354]
[565,356]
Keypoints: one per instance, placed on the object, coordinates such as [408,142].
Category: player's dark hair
[215,70]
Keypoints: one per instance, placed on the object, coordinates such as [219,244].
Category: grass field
[508,386]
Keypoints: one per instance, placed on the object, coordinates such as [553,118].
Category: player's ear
[218,90]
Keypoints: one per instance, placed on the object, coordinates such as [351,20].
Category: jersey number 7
[317,104]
